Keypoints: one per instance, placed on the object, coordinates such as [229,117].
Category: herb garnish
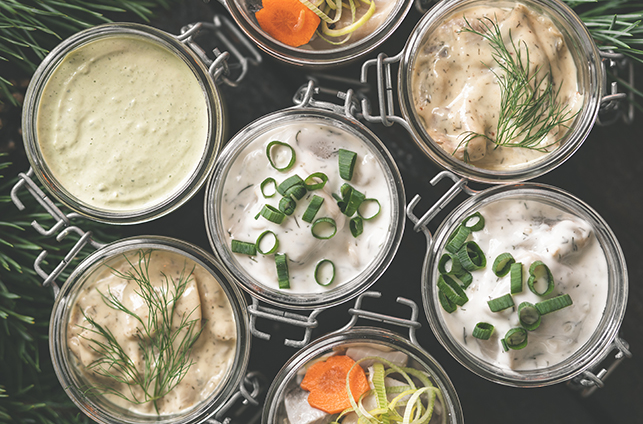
[529,106]
[165,338]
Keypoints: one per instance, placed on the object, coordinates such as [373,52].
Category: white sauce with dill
[316,145]
[533,231]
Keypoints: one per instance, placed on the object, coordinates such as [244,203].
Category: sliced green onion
[476,220]
[272,214]
[456,267]
[554,304]
[529,316]
[288,183]
[313,208]
[321,221]
[311,184]
[537,271]
[452,290]
[317,269]
[465,278]
[351,199]
[516,338]
[347,161]
[515,271]
[265,182]
[457,239]
[447,305]
[483,330]
[274,247]
[504,345]
[356,224]
[502,264]
[471,256]
[243,247]
[501,303]
[281,260]
[293,156]
[296,192]
[287,205]
[367,202]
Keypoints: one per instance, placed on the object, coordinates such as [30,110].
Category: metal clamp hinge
[357,312]
[231,39]
[249,390]
[588,381]
[308,322]
[614,104]
[305,97]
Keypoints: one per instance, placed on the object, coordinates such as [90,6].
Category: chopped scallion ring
[319,267]
[243,247]
[457,239]
[474,222]
[287,205]
[272,214]
[296,192]
[264,183]
[446,303]
[516,338]
[501,303]
[365,203]
[351,200]
[283,277]
[347,161]
[471,256]
[515,271]
[274,247]
[452,290]
[313,208]
[483,330]
[456,267]
[356,224]
[289,183]
[554,304]
[311,181]
[529,316]
[537,271]
[502,264]
[321,221]
[293,156]
[465,278]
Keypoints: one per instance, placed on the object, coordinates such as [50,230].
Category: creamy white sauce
[455,82]
[533,231]
[122,123]
[316,145]
[204,299]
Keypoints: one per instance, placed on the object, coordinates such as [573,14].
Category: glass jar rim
[586,355]
[75,282]
[589,65]
[318,59]
[202,169]
[361,335]
[303,301]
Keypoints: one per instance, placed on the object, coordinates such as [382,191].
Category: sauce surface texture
[203,299]
[456,90]
[122,123]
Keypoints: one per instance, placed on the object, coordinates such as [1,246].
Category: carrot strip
[326,382]
[288,21]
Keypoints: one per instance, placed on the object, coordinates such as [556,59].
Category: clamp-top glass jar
[122,122]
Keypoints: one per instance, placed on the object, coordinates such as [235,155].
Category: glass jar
[108,195]
[589,76]
[252,277]
[290,375]
[322,55]
[568,365]
[66,363]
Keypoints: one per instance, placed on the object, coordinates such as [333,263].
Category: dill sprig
[165,343]
[529,107]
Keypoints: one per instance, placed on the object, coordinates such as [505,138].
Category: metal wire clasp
[305,97]
[616,105]
[248,393]
[231,39]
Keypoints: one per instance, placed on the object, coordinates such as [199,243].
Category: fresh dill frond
[529,106]
[164,343]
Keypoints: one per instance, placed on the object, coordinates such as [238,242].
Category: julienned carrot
[326,382]
[288,21]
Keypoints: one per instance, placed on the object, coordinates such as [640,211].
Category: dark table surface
[604,173]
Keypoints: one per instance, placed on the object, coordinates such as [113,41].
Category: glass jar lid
[566,252]
[341,232]
[150,330]
[122,123]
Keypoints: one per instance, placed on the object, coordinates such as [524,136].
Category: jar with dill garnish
[500,91]
[150,329]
